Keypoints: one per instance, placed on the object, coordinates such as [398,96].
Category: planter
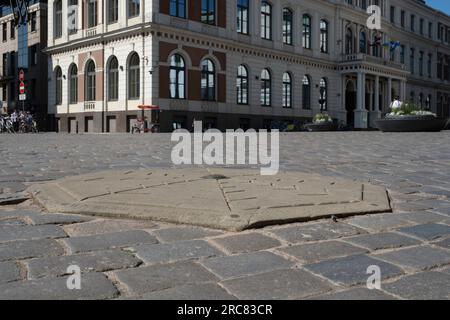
[321,127]
[411,124]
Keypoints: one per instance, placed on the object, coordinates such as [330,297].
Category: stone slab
[430,231]
[219,198]
[9,271]
[202,291]
[52,218]
[14,233]
[356,294]
[249,242]
[101,226]
[184,233]
[385,240]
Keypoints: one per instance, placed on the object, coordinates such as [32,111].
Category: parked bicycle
[6,125]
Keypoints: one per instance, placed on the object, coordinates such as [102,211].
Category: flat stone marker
[229,199]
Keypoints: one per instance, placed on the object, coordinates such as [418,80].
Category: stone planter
[411,124]
[321,127]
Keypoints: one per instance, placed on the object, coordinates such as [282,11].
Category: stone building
[22,47]
[241,63]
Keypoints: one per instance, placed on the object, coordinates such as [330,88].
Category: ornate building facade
[241,63]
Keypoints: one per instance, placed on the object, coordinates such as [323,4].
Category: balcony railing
[361,57]
[89,106]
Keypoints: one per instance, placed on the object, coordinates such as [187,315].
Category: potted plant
[321,122]
[408,117]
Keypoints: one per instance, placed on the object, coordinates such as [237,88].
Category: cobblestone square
[142,259]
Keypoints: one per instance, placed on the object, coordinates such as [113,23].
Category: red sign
[21,75]
[22,88]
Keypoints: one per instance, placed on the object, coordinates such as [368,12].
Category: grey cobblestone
[417,258]
[93,286]
[246,242]
[14,233]
[283,284]
[102,226]
[429,231]
[203,291]
[160,277]
[9,271]
[109,240]
[30,249]
[93,261]
[313,252]
[356,294]
[377,223]
[171,252]
[52,218]
[385,240]
[246,264]
[352,270]
[184,234]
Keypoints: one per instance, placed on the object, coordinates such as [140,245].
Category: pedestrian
[15,120]
[396,104]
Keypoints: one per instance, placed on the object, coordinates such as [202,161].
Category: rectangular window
[402,54]
[430,59]
[430,30]
[413,23]
[402,18]
[421,56]
[209,11]
[242,16]
[412,61]
[72,17]
[392,14]
[33,22]
[133,8]
[113,11]
[177,8]
[421,26]
[12,30]
[5,31]
[92,13]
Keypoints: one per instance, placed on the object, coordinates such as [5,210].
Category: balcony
[349,59]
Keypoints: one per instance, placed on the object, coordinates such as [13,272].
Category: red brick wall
[165,49]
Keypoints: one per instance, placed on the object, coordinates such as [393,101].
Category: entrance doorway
[350,103]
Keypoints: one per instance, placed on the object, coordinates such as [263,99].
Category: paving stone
[422,286]
[444,243]
[17,213]
[9,271]
[411,206]
[386,240]
[93,286]
[24,249]
[13,198]
[380,222]
[356,294]
[163,276]
[109,240]
[106,226]
[417,258]
[249,242]
[53,218]
[246,264]
[422,217]
[12,222]
[316,231]
[100,261]
[277,285]
[352,270]
[203,291]
[14,233]
[171,252]
[184,233]
[428,231]
[322,251]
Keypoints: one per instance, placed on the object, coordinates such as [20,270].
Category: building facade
[22,47]
[241,63]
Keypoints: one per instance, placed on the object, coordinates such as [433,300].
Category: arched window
[58,76]
[208,82]
[287,90]
[134,7]
[306,31]
[323,36]
[323,87]
[266,20]
[113,79]
[73,84]
[177,77]
[287,26]
[362,42]
[306,92]
[90,81]
[349,41]
[133,77]
[92,13]
[242,85]
[266,88]
[58,19]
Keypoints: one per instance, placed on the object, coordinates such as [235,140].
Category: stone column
[376,112]
[361,112]
[402,90]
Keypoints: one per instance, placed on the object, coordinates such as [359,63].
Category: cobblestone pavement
[122,259]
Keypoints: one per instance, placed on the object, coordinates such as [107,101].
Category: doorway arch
[350,102]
